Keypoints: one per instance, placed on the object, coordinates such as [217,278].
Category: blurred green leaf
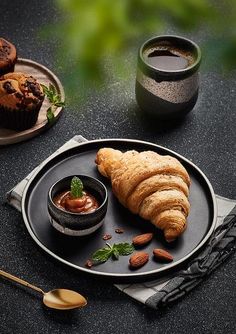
[94,33]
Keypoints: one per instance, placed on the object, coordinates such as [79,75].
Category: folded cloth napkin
[163,291]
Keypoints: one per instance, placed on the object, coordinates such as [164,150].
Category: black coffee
[168,59]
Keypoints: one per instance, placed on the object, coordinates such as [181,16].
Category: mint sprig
[76,187]
[54,99]
[124,248]
[116,250]
[50,115]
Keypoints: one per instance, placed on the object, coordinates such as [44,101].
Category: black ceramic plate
[74,251]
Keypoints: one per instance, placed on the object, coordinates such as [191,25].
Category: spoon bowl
[63,299]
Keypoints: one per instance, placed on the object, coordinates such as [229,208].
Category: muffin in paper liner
[21,98]
[8,57]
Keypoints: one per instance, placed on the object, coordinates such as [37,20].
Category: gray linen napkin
[163,291]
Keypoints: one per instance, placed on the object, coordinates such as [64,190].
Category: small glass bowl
[78,224]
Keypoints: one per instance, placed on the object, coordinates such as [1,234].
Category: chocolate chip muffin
[8,56]
[21,97]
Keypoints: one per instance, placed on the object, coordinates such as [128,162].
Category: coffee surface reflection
[165,59]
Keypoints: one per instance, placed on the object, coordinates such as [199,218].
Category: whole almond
[163,255]
[138,259]
[142,239]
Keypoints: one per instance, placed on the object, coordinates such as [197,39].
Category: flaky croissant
[154,186]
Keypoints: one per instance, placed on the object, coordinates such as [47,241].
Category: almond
[163,255]
[138,259]
[107,237]
[89,264]
[142,239]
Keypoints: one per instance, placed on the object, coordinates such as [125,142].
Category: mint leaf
[52,88]
[115,253]
[76,187]
[50,115]
[48,92]
[45,89]
[52,95]
[55,99]
[124,248]
[102,255]
[59,104]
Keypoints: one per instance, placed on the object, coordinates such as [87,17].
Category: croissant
[154,186]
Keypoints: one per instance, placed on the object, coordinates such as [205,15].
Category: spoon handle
[20,281]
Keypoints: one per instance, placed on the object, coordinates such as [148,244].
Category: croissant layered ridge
[149,184]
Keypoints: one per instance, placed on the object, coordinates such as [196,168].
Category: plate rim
[135,275]
[25,134]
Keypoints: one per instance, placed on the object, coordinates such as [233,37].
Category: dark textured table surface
[206,136]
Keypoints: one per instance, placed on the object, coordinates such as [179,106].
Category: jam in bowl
[77,205]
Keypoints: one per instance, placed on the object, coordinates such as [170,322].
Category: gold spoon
[60,299]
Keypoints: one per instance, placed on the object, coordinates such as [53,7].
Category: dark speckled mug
[168,90]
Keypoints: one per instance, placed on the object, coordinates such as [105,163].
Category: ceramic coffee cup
[167,80]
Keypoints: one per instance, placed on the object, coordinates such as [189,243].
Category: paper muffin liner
[18,120]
